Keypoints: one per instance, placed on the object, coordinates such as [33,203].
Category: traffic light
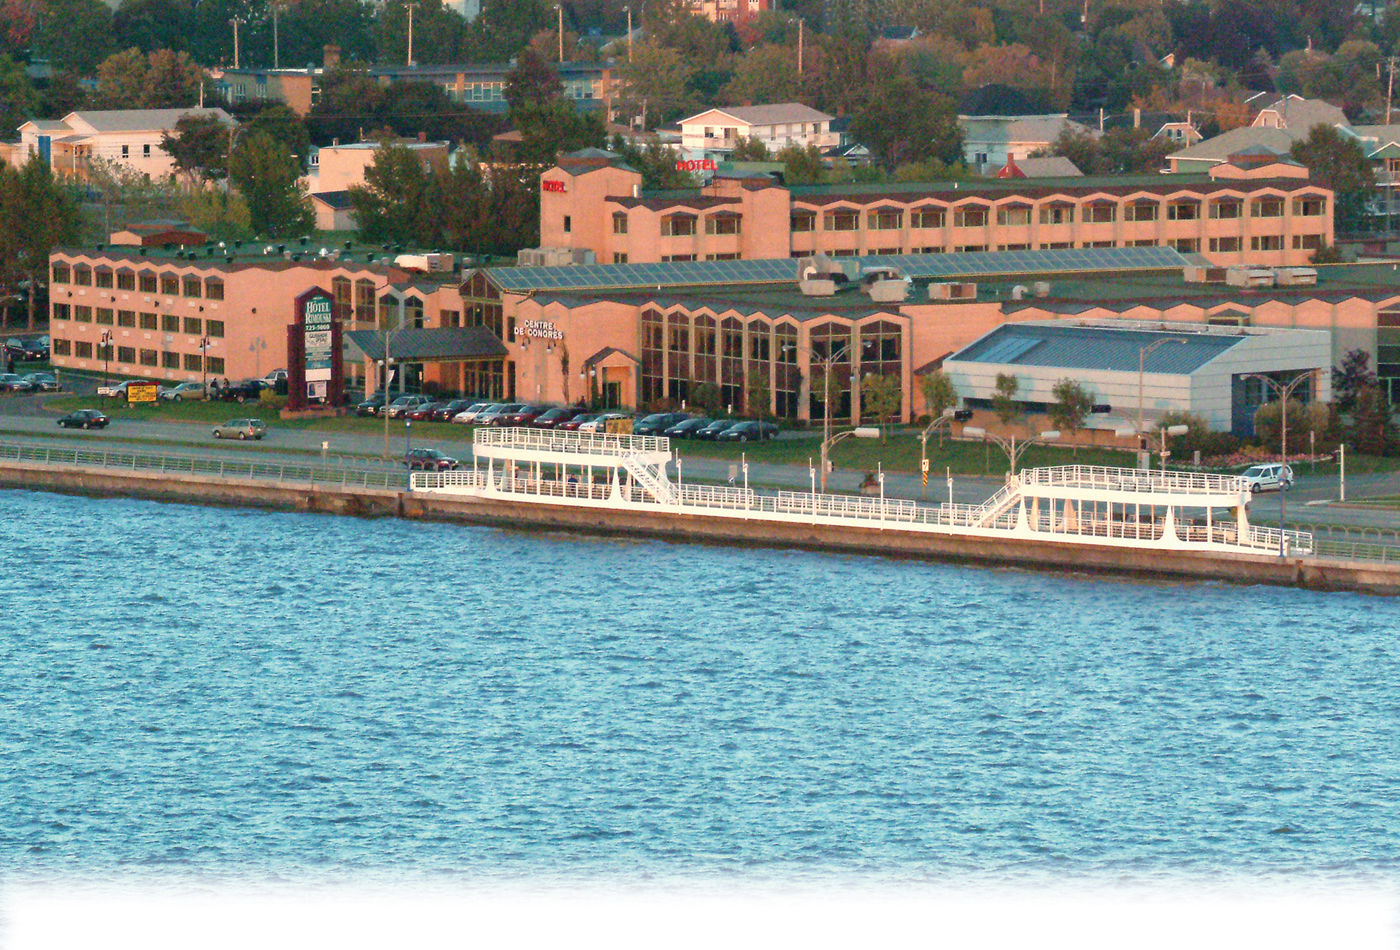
[962,415]
[1101,407]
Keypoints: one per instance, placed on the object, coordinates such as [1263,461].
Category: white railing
[572,443]
[716,496]
[1267,539]
[1133,480]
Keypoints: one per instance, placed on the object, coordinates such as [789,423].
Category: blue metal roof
[782,270]
[1096,348]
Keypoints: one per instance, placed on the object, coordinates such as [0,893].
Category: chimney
[330,56]
[1137,118]
[422,136]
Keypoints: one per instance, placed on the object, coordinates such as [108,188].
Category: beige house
[127,137]
[715,132]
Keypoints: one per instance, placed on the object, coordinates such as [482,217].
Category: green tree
[708,398]
[802,166]
[219,212]
[655,84]
[37,214]
[546,131]
[749,150]
[764,74]
[125,196]
[267,175]
[1372,428]
[656,162]
[1004,403]
[1348,378]
[1268,424]
[504,28]
[939,393]
[1071,406]
[882,398]
[307,27]
[901,123]
[1339,164]
[161,79]
[532,82]
[438,34]
[394,203]
[757,394]
[18,100]
[199,144]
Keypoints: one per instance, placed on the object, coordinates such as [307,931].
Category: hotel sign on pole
[315,373]
[316,333]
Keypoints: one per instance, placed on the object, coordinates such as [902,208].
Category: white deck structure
[1071,504]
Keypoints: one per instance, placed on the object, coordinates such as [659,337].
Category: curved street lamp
[106,344]
[1143,353]
[1013,449]
[1285,390]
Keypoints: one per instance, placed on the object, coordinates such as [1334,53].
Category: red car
[573,424]
[430,460]
[420,413]
[520,417]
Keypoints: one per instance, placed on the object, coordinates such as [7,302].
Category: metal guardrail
[572,443]
[1356,551]
[208,467]
[1134,480]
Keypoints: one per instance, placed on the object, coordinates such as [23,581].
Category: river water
[210,690]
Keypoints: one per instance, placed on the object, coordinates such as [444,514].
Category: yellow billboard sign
[141,392]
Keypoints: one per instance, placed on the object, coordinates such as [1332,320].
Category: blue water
[190,689]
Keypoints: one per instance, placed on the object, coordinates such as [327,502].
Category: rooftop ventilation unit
[952,290]
[822,276]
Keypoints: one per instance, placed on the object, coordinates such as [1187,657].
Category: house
[1294,112]
[338,167]
[729,11]
[127,137]
[1182,134]
[334,211]
[1051,166]
[990,140]
[714,132]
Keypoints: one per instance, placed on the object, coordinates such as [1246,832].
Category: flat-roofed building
[1268,213]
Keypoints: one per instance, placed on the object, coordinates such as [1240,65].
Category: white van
[1269,476]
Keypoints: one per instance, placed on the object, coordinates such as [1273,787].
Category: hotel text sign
[541,330]
[697,165]
[317,327]
[547,185]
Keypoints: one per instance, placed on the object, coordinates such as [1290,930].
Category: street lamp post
[827,440]
[106,357]
[945,419]
[860,432]
[1143,353]
[1285,390]
[408,450]
[1013,449]
[388,365]
[204,366]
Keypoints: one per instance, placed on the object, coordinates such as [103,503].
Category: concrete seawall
[1313,573]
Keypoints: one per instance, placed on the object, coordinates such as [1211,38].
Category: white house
[714,132]
[989,141]
[127,137]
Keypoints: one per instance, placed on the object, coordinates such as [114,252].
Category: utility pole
[276,46]
[1389,88]
[559,8]
[410,5]
[628,8]
[800,38]
[235,21]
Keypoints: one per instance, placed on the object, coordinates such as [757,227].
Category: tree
[708,398]
[764,74]
[749,150]
[1350,377]
[37,214]
[267,175]
[901,123]
[1004,403]
[18,100]
[655,84]
[938,391]
[532,82]
[394,203]
[882,398]
[757,394]
[1339,164]
[220,213]
[1372,430]
[1268,423]
[199,145]
[126,195]
[504,28]
[161,79]
[438,33]
[307,27]
[801,166]
[281,123]
[656,162]
[1072,405]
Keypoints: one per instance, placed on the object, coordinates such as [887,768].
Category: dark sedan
[572,424]
[430,460]
[748,432]
[444,411]
[686,428]
[712,431]
[422,413]
[84,419]
[370,406]
[658,422]
[520,417]
[553,417]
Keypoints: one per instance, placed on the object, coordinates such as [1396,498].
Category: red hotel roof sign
[547,185]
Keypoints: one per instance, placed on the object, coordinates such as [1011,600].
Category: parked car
[370,406]
[490,416]
[748,431]
[242,391]
[1269,476]
[42,382]
[600,422]
[403,404]
[14,348]
[552,417]
[181,392]
[521,417]
[447,411]
[712,431]
[472,414]
[686,428]
[275,377]
[115,390]
[574,424]
[658,422]
[241,429]
[14,383]
[430,460]
[84,419]
[29,350]
[423,412]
